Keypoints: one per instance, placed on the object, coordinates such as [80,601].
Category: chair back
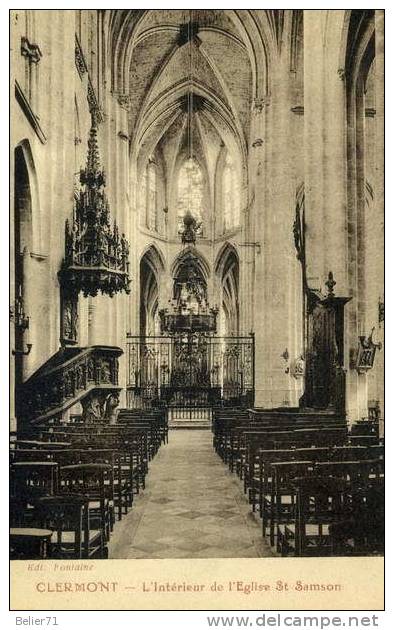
[67,517]
[30,480]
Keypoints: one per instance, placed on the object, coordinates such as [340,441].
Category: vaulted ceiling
[170,57]
[223,58]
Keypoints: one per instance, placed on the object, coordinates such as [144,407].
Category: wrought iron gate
[190,371]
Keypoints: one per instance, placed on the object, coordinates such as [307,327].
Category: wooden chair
[30,455]
[310,454]
[362,528]
[96,482]
[68,518]
[30,543]
[354,472]
[321,501]
[364,440]
[126,462]
[376,451]
[29,481]
[266,481]
[283,496]
[122,475]
[365,427]
[41,444]
[341,514]
[135,441]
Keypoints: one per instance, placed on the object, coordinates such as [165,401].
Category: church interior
[197,283]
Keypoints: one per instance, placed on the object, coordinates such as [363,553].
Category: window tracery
[191,193]
[231,194]
[148,196]
[151,204]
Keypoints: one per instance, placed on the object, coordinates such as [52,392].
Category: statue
[125,251]
[298,367]
[110,408]
[70,317]
[92,409]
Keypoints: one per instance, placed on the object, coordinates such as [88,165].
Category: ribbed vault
[160,57]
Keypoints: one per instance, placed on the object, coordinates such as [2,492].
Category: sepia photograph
[196,290]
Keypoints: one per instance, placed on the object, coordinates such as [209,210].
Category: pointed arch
[26,240]
[151,267]
[227,271]
[24,158]
[222,259]
[182,259]
[356,50]
[155,258]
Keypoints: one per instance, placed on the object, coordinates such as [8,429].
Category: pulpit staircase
[72,375]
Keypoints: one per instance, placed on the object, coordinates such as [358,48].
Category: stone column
[250,250]
[379,190]
[275,333]
[133,300]
[12,295]
[283,262]
[121,209]
[257,258]
[334,158]
[314,146]
[31,306]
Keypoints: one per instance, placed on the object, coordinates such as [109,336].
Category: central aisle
[192,507]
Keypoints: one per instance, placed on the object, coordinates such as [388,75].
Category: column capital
[259,104]
[31,51]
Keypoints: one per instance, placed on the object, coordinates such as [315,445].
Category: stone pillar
[379,192]
[133,300]
[12,297]
[249,254]
[257,259]
[334,159]
[30,305]
[365,227]
[275,333]
[283,255]
[314,146]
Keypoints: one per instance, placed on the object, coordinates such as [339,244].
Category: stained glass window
[148,196]
[142,194]
[151,209]
[190,193]
[231,196]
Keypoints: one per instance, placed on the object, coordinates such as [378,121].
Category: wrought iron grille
[191,370]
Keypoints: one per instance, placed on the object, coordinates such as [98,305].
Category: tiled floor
[192,507]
